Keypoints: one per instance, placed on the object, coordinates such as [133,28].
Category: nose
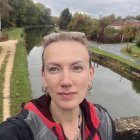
[66,79]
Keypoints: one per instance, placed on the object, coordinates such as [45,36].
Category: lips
[67,95]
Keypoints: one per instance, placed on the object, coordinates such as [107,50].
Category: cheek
[84,81]
[52,82]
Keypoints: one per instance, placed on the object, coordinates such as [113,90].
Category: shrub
[138,42]
[128,49]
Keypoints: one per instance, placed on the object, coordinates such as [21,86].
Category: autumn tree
[129,33]
[84,23]
[65,18]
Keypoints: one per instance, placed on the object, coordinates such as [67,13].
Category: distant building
[128,23]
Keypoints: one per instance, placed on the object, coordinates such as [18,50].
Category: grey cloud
[95,7]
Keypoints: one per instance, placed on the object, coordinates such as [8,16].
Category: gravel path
[7,47]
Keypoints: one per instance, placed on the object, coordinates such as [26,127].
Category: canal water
[119,95]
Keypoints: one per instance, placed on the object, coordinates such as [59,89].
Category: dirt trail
[7,47]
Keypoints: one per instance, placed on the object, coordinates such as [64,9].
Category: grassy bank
[20,85]
[119,65]
[132,51]
[20,88]
[129,63]
[14,33]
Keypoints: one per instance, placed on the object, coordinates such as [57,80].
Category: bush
[138,42]
[128,49]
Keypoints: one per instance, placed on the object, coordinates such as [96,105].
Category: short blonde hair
[65,36]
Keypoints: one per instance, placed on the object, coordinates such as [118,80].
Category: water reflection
[34,36]
[136,86]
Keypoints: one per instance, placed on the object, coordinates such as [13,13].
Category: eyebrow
[77,62]
[53,63]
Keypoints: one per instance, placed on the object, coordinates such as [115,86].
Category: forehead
[65,49]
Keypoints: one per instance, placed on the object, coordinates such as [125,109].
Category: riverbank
[119,65]
[20,88]
[132,51]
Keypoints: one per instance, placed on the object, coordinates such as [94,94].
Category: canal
[119,95]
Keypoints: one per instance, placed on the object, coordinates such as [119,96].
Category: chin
[69,106]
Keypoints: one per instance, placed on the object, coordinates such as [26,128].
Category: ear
[42,72]
[43,76]
[91,73]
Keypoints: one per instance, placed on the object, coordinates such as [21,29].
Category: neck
[69,119]
[63,116]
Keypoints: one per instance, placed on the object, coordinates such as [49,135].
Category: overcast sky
[94,8]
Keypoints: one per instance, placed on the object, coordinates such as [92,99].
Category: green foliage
[110,32]
[84,23]
[129,33]
[138,42]
[65,18]
[107,20]
[26,12]
[14,33]
[5,8]
[20,89]
[128,49]
[55,20]
[42,14]
[135,52]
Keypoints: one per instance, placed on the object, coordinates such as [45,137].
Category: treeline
[23,13]
[99,29]
[27,13]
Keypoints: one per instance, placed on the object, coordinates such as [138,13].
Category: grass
[2,71]
[115,57]
[135,52]
[14,33]
[20,87]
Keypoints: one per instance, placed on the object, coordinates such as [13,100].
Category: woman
[62,112]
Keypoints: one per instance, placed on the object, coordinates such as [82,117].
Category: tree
[107,20]
[129,33]
[55,20]
[43,14]
[65,18]
[138,42]
[84,23]
[18,14]
[26,12]
[5,8]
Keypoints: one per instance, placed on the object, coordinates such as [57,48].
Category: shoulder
[14,129]
[107,126]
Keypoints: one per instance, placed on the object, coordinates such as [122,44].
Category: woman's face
[67,73]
